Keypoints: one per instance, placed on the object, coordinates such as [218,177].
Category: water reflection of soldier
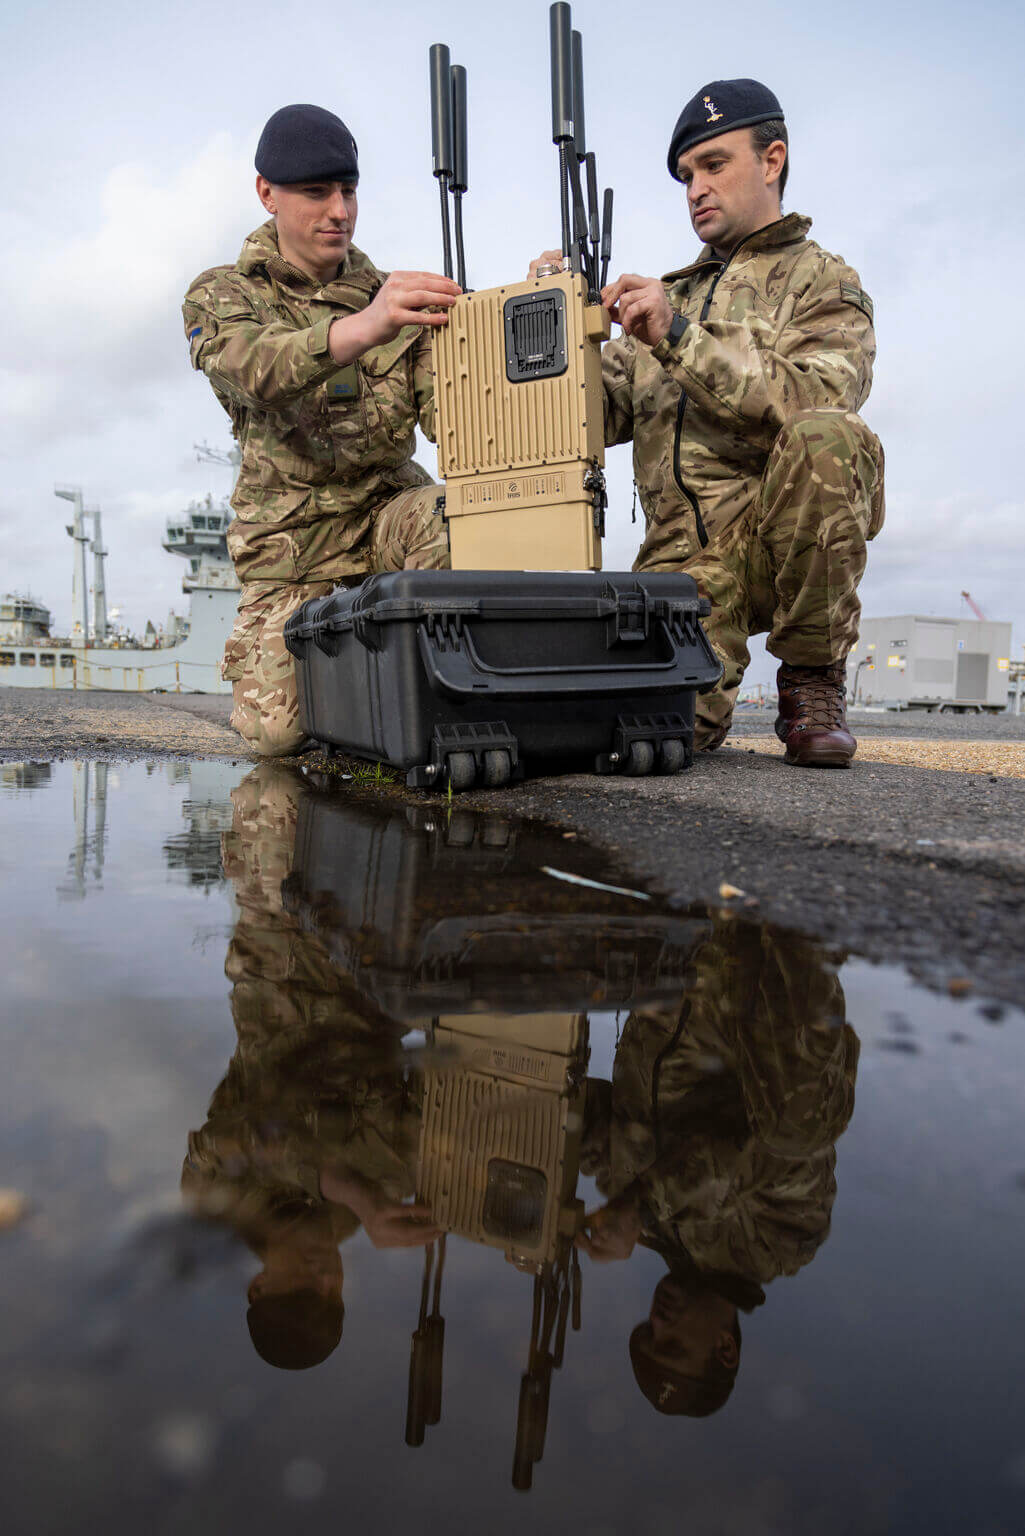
[314,1129]
[714,1145]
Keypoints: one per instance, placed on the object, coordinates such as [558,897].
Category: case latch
[632,619]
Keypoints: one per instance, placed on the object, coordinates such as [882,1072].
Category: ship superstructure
[182,658]
[23,618]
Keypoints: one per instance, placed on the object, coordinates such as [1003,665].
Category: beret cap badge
[720,107]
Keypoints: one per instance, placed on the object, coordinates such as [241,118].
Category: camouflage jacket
[724,1114]
[781,327]
[322,447]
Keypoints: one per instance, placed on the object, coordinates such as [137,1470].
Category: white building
[918,662]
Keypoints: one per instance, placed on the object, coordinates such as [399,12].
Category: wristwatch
[676,330]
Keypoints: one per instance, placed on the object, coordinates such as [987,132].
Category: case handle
[459,671]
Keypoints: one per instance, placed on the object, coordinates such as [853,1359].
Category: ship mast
[231,457]
[79,580]
[99,578]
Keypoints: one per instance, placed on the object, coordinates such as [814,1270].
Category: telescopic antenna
[591,167]
[441,137]
[562,116]
[460,164]
[582,261]
[579,133]
[606,236]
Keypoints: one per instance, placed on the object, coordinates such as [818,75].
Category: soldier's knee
[838,433]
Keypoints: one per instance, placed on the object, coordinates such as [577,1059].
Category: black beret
[719,108]
[304,143]
[673,1392]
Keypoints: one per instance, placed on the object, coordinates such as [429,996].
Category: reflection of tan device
[500,1133]
[498,1162]
[517,369]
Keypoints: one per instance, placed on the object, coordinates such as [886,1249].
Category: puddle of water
[264,1046]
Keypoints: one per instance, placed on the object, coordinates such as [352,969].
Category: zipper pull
[633,509]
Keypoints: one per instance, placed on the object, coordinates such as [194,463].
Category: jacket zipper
[682,406]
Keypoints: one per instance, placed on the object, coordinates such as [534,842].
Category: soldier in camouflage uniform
[738,379]
[323,364]
[714,1145]
[314,1129]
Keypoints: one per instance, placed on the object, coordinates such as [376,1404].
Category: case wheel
[671,755]
[640,759]
[497,768]
[462,769]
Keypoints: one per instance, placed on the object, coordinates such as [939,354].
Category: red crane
[973,605]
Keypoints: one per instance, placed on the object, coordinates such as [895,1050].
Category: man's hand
[404,298]
[388,1223]
[546,258]
[393,1224]
[640,306]
[610,1233]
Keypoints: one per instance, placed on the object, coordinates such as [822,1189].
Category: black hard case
[407,668]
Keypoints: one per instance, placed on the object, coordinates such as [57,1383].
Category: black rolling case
[469,676]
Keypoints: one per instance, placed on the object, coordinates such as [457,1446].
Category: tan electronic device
[517,369]
[520,426]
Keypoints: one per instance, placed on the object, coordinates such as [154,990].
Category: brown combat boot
[812,719]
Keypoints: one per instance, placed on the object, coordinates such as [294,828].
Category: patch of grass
[355,769]
[366,774]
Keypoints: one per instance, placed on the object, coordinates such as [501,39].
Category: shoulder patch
[850,293]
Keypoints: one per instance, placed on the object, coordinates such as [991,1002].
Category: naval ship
[184,658]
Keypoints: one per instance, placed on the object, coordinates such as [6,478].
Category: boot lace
[820,694]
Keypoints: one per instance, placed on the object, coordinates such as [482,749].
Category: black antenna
[579,134]
[583,260]
[460,164]
[562,115]
[579,250]
[594,227]
[577,159]
[441,137]
[606,236]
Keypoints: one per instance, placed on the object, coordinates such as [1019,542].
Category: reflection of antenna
[556,1298]
[427,1347]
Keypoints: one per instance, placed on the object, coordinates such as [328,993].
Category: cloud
[94,382]
[94,330]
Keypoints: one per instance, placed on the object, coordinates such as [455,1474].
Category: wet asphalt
[903,864]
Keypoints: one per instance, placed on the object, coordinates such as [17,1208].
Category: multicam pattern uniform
[327,490]
[317,1077]
[755,473]
[724,1112]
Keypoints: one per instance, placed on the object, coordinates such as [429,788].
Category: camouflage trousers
[790,566]
[408,534]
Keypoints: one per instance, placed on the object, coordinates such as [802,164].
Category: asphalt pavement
[920,865]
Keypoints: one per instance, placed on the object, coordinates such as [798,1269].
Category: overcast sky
[130,139]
